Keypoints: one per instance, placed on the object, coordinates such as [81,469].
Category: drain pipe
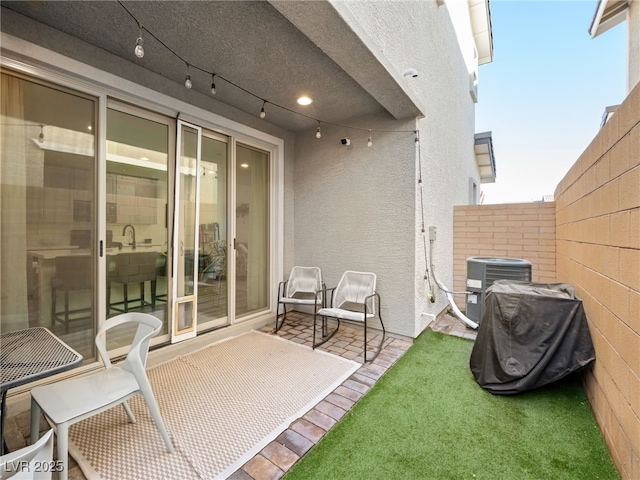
[468,322]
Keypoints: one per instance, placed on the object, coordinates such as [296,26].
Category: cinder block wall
[598,251]
[516,230]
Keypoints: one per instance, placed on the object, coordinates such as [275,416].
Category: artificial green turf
[427,418]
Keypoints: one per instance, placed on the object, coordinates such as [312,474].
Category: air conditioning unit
[483,271]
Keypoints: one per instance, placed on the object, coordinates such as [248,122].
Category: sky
[544,94]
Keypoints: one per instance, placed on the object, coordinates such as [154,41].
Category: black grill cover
[531,334]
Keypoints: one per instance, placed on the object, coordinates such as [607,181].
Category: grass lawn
[427,418]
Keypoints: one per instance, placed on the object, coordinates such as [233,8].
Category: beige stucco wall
[516,230]
[598,251]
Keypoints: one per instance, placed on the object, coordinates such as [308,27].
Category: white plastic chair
[67,402]
[304,287]
[31,462]
[353,300]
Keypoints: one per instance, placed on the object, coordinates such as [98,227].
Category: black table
[30,355]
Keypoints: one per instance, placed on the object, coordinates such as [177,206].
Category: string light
[139,50]
[189,84]
[187,79]
[318,131]
[41,136]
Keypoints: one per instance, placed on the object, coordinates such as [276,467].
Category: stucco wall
[598,251]
[360,206]
[516,230]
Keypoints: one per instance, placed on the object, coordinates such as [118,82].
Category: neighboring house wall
[633,44]
[598,243]
[359,207]
[517,230]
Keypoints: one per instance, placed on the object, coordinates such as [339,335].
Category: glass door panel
[136,225]
[212,268]
[48,210]
[186,256]
[252,230]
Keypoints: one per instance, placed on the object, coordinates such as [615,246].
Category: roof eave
[608,14]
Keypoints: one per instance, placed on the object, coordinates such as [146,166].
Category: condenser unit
[483,271]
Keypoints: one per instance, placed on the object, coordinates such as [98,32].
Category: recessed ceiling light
[304,100]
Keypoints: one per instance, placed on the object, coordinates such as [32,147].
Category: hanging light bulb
[139,50]
[369,142]
[187,79]
[213,84]
[41,136]
[318,131]
[262,112]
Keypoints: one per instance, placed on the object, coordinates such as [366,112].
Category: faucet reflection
[132,237]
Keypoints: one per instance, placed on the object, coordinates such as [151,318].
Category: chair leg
[325,337]
[54,294]
[35,421]
[128,411]
[62,434]
[147,393]
[284,316]
[66,311]
[125,294]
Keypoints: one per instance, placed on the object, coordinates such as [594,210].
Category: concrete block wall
[598,251]
[517,230]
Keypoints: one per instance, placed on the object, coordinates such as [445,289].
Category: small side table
[29,355]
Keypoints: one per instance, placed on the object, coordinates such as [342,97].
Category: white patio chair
[304,288]
[353,300]
[69,401]
[31,462]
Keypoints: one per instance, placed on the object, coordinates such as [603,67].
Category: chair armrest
[281,289]
[326,290]
[374,294]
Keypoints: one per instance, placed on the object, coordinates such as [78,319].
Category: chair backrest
[73,272]
[304,280]
[29,462]
[354,288]
[132,267]
[148,327]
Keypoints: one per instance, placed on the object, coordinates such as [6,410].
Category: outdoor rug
[221,404]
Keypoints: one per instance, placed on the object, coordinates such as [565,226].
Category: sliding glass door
[179,213]
[252,230]
[48,223]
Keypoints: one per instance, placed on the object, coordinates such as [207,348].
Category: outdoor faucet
[133,235]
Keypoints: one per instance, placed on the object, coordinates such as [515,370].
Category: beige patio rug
[221,404]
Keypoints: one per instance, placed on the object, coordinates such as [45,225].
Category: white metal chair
[353,300]
[304,288]
[67,402]
[31,462]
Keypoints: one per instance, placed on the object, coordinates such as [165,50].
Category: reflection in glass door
[186,255]
[212,234]
[252,230]
[137,151]
[48,210]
